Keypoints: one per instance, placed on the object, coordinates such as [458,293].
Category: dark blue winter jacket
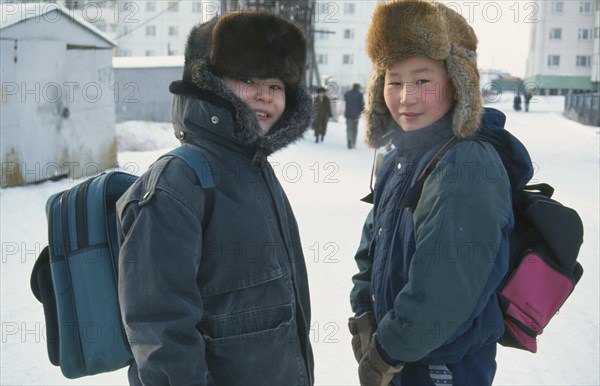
[225,304]
[430,277]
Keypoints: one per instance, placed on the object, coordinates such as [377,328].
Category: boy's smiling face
[417,92]
[266,97]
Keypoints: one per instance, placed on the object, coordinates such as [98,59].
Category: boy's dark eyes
[271,86]
[398,83]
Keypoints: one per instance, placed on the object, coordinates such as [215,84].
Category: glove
[362,329]
[373,370]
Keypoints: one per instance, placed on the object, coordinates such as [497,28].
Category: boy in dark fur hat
[425,304]
[227,303]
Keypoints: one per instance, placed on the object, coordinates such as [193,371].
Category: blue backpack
[75,276]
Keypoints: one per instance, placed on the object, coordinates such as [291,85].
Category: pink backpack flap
[543,269]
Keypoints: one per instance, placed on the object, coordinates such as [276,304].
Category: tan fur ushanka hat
[401,29]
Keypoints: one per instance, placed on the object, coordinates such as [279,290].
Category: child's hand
[373,370]
[362,329]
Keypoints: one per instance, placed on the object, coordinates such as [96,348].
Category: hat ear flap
[376,111]
[463,74]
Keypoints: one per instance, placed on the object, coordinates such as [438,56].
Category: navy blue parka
[430,276]
[225,304]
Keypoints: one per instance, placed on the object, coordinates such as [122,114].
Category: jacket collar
[416,143]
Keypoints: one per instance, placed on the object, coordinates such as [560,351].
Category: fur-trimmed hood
[246,130]
[208,57]
[401,29]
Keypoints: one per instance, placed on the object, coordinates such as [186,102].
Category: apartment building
[564,50]
[340,31]
[160,28]
[148,28]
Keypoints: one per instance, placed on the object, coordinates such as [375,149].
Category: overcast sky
[503,29]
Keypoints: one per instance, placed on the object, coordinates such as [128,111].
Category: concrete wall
[143,93]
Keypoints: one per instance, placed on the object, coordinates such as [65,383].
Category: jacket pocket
[223,301]
[258,347]
[243,324]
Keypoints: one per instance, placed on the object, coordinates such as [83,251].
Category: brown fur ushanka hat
[401,29]
[243,45]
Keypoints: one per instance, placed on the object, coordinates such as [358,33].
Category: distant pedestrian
[527,99]
[355,104]
[517,103]
[323,109]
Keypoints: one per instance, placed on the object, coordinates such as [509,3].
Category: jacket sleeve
[159,297]
[460,224]
[360,295]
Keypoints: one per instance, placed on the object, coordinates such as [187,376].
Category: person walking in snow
[355,104]
[227,303]
[323,109]
[517,102]
[424,299]
[527,97]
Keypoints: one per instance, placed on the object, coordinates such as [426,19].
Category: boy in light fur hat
[426,311]
[218,294]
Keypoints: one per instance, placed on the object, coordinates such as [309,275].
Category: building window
[349,8]
[323,35]
[149,53]
[583,61]
[197,7]
[348,59]
[150,30]
[585,34]
[596,32]
[348,34]
[173,31]
[173,6]
[322,58]
[586,7]
[150,6]
[557,7]
[555,33]
[553,60]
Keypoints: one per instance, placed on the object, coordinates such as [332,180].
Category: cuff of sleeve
[362,308]
[384,355]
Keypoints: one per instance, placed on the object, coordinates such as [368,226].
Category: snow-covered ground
[325,182]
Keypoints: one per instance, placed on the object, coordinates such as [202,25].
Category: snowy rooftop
[147,61]
[12,13]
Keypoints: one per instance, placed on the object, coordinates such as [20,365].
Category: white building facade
[340,32]
[160,28]
[564,49]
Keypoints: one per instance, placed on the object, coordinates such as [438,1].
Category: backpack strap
[542,188]
[196,161]
[411,199]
